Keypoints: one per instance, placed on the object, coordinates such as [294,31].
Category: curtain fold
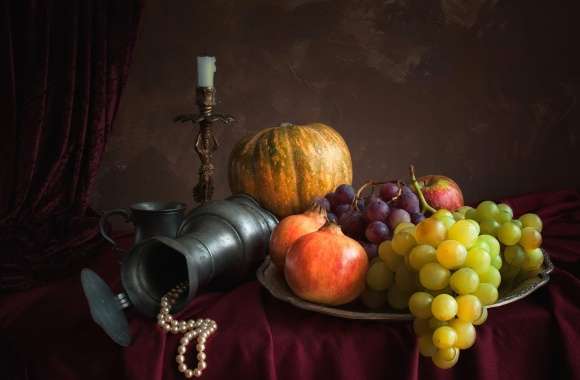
[66,65]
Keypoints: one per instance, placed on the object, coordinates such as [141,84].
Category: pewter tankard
[218,244]
[149,218]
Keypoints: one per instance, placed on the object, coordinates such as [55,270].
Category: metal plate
[273,280]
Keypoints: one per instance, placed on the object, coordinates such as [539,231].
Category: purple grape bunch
[372,219]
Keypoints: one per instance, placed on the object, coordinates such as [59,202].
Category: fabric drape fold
[67,65]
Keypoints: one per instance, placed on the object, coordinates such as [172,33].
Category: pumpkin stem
[424,205]
[285,124]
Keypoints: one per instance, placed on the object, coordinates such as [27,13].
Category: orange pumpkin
[286,167]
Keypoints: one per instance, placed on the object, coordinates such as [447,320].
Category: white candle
[205,70]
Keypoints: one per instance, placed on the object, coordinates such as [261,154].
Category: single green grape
[444,307]
[426,346]
[509,234]
[487,210]
[464,281]
[444,337]
[534,260]
[402,226]
[421,255]
[504,207]
[482,245]
[379,277]
[475,224]
[464,232]
[421,326]
[468,307]
[463,209]
[397,298]
[493,244]
[420,305]
[489,227]
[447,222]
[481,320]
[497,262]
[465,333]
[514,255]
[442,213]
[531,238]
[471,214]
[458,216]
[503,217]
[403,242]
[430,231]
[448,354]
[406,279]
[374,299]
[439,358]
[478,258]
[492,276]
[531,220]
[391,258]
[487,293]
[434,276]
[451,254]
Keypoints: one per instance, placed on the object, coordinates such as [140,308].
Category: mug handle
[125,212]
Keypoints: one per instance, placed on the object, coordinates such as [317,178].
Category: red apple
[326,267]
[441,192]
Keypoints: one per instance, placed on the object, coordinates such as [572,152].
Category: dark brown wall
[482,91]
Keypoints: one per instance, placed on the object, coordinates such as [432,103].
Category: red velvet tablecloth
[47,333]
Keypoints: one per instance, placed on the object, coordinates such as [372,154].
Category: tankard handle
[125,212]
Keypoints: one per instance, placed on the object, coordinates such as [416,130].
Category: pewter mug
[149,218]
[218,244]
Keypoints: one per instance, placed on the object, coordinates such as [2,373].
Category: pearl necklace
[198,328]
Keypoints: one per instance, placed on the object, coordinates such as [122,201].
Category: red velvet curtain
[66,65]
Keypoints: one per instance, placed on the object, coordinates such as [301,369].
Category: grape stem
[424,205]
[357,196]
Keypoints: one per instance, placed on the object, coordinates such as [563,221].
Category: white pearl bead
[191,324]
[180,359]
[200,347]
[174,323]
[174,329]
[188,373]
[202,365]
[182,367]
[184,341]
[164,304]
[201,340]
[165,310]
[189,335]
[197,372]
[182,328]
[201,356]
[182,349]
[167,327]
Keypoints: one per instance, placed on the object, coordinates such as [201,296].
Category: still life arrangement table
[298,274]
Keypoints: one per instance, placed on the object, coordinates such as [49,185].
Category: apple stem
[424,205]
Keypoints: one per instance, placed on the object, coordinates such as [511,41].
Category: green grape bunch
[449,267]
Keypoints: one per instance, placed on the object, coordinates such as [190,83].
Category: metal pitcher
[218,244]
[149,218]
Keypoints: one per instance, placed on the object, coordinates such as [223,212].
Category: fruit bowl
[273,280]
